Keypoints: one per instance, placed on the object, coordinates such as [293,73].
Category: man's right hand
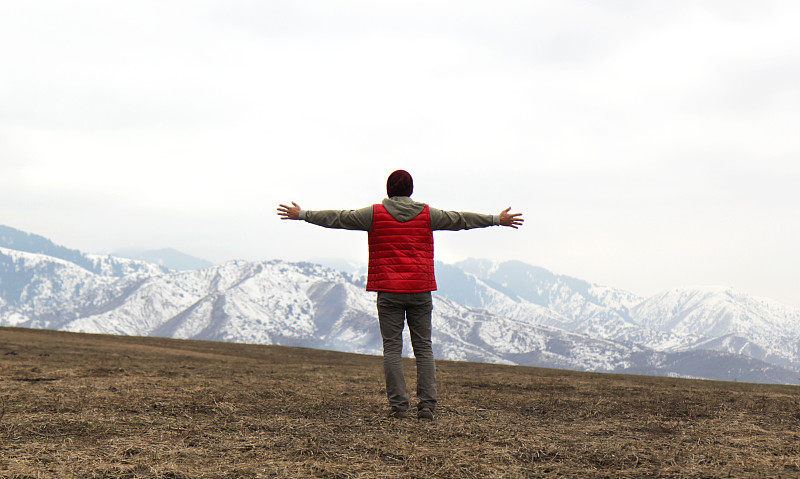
[513,220]
[289,212]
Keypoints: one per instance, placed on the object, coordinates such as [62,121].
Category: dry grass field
[74,405]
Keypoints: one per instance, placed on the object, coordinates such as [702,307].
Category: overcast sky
[649,144]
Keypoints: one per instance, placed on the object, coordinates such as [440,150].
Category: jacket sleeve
[461,220]
[360,219]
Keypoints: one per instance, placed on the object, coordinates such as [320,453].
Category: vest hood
[402,208]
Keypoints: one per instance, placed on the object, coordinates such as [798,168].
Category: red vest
[400,254]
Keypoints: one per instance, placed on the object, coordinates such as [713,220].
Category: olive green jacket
[402,208]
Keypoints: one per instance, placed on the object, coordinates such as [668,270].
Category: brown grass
[75,405]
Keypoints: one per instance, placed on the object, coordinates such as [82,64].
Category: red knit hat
[399,184]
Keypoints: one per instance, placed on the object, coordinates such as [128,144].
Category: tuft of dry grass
[75,405]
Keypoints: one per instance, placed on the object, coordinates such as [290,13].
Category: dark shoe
[398,413]
[425,413]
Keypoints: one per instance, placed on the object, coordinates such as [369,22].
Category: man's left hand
[513,220]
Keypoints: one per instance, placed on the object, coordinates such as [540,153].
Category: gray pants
[394,309]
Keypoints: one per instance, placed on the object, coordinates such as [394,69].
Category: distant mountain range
[169,258]
[507,312]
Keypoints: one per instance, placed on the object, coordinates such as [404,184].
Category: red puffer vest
[400,254]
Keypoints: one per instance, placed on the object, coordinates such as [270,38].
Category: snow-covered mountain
[727,321]
[509,313]
[520,290]
[700,318]
[44,291]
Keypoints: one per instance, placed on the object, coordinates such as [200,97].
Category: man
[400,269]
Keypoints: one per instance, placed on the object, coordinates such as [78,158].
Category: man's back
[400,253]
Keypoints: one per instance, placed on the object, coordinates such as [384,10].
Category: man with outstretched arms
[400,270]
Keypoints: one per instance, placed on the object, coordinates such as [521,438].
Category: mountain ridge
[169,258]
[573,324]
[18,240]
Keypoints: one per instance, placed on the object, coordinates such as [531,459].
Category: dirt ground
[76,405]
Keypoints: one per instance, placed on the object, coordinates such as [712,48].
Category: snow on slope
[302,304]
[42,291]
[687,319]
[561,302]
[728,321]
[716,311]
[218,303]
